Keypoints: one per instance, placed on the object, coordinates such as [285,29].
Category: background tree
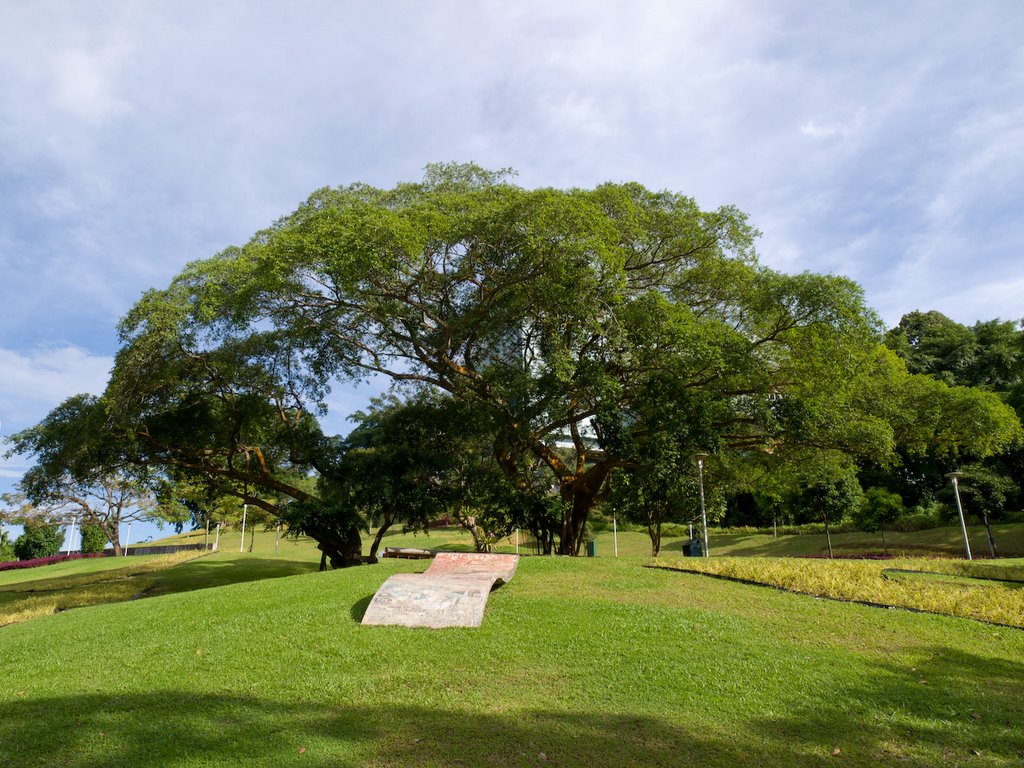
[106,501]
[94,540]
[932,344]
[830,495]
[39,539]
[6,550]
[984,493]
[879,509]
[989,356]
[395,462]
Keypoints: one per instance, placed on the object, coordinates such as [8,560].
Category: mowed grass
[64,568]
[579,662]
[29,593]
[944,541]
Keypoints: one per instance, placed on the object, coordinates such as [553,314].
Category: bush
[93,539]
[787,530]
[6,550]
[37,541]
[921,518]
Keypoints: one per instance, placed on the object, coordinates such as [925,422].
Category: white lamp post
[703,513]
[960,509]
[71,536]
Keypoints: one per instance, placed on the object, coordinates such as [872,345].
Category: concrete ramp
[452,592]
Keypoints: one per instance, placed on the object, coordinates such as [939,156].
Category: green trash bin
[693,548]
[591,548]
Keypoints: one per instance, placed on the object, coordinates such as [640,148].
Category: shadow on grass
[889,718]
[206,572]
[359,609]
[960,707]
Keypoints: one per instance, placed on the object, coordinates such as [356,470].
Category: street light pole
[960,509]
[703,512]
[71,536]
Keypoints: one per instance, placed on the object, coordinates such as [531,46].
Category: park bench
[408,553]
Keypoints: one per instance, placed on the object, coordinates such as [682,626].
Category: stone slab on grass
[452,592]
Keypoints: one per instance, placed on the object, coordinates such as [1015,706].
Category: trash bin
[693,548]
[591,548]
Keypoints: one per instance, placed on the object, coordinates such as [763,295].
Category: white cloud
[31,384]
[873,138]
[819,128]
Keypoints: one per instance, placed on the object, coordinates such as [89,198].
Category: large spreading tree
[568,325]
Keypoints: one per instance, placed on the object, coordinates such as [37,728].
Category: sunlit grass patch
[33,605]
[979,596]
[41,597]
[128,568]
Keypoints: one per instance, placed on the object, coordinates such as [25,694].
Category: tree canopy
[987,357]
[581,331]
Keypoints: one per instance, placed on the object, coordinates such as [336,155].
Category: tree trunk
[343,548]
[580,496]
[114,537]
[378,538]
[654,531]
[988,530]
[574,519]
[828,537]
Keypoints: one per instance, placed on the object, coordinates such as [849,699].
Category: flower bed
[37,561]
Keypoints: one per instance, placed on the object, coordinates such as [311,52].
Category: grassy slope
[64,568]
[590,662]
[946,540]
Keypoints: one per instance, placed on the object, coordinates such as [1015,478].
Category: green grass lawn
[947,541]
[268,555]
[590,662]
[65,568]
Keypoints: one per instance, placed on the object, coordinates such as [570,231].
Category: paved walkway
[452,592]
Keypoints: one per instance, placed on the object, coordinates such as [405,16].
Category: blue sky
[881,140]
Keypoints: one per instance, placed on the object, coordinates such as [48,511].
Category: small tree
[652,498]
[6,550]
[987,494]
[879,509]
[38,540]
[94,540]
[829,499]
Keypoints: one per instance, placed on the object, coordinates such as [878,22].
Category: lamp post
[71,536]
[960,509]
[703,513]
